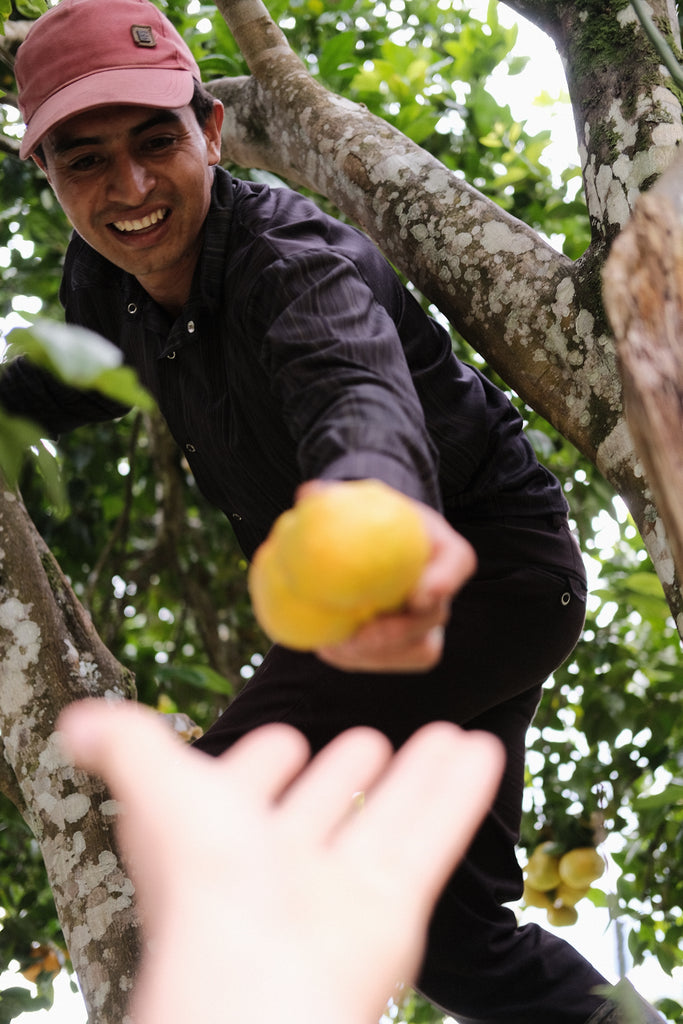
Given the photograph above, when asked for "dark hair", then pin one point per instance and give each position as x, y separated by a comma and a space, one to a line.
202, 104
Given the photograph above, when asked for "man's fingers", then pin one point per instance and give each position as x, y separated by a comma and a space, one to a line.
393, 643
452, 563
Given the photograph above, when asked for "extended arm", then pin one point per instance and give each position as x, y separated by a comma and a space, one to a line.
256, 869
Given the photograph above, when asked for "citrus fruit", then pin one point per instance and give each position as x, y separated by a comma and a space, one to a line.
302, 625
343, 554
561, 917
568, 896
542, 869
536, 898
581, 866
352, 543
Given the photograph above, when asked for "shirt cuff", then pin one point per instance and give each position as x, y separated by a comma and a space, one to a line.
375, 466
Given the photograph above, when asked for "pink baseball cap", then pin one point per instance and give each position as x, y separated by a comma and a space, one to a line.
82, 54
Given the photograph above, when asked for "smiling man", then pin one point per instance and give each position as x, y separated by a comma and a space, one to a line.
135, 182
282, 348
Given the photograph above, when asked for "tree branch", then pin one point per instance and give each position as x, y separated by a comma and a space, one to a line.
542, 13
51, 656
659, 42
9, 786
643, 284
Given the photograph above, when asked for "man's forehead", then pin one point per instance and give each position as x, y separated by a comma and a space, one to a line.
102, 123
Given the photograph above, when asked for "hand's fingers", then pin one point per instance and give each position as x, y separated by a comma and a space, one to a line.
391, 644
442, 783
123, 743
265, 762
452, 562
322, 797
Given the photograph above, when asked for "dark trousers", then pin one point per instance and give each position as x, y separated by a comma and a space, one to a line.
511, 626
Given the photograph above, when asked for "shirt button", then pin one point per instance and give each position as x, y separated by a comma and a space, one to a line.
132, 308
171, 355
237, 517
190, 327
189, 447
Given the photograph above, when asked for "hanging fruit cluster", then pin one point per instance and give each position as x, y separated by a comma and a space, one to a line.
555, 880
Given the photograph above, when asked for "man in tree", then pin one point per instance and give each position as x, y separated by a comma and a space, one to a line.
282, 349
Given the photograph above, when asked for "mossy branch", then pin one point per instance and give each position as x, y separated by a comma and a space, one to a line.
659, 42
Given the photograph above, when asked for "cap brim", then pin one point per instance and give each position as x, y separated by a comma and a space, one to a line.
141, 87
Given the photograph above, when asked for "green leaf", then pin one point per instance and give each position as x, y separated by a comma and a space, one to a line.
81, 358
31, 9
5, 11
219, 66
646, 583
200, 676
18, 437
672, 794
16, 1000
339, 49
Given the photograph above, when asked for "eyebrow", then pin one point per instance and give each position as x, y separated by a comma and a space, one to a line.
160, 118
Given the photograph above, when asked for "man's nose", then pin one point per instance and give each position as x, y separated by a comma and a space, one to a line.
130, 181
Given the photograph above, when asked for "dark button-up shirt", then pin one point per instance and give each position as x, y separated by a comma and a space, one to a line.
299, 355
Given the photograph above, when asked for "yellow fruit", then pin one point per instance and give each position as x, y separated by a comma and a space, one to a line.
562, 917
581, 866
542, 869
340, 556
288, 620
568, 896
43, 960
354, 543
536, 898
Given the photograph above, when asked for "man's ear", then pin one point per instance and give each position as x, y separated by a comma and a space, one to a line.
40, 162
212, 132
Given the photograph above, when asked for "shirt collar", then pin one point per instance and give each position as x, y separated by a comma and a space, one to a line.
209, 274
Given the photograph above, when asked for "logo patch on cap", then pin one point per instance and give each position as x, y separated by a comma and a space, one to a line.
143, 35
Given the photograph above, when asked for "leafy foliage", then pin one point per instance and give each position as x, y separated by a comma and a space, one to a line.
165, 582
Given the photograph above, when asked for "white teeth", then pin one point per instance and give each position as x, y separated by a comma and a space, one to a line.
140, 225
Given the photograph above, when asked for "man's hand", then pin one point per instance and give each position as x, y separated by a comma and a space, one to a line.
263, 892
412, 639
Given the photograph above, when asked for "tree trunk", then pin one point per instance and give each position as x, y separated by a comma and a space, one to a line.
52, 656
643, 287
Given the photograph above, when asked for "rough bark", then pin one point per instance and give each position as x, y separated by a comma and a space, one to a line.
537, 317
643, 287
50, 657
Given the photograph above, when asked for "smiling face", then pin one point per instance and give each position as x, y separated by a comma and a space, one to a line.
135, 182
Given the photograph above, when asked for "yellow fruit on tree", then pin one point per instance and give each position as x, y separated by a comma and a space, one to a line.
561, 917
568, 896
542, 869
581, 866
536, 898
340, 556
43, 960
